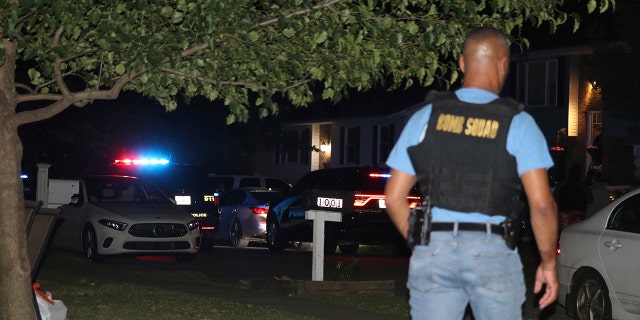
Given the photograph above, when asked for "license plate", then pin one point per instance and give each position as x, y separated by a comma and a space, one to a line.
183, 200
329, 202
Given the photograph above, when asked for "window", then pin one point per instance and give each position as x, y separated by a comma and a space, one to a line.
537, 83
627, 216
249, 183
350, 145
276, 184
295, 147
383, 139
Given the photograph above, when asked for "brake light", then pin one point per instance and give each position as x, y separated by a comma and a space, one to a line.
413, 201
259, 210
361, 200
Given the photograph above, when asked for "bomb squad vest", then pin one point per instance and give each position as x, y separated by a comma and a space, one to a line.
462, 163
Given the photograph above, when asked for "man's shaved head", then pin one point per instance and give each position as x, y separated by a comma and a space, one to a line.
486, 41
485, 59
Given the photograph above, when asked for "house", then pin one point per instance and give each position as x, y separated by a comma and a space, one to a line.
554, 84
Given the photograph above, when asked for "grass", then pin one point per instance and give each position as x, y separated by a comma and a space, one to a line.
102, 291
88, 300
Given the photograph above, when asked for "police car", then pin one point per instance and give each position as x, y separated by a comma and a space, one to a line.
186, 184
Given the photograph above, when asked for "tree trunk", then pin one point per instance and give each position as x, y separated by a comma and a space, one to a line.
16, 298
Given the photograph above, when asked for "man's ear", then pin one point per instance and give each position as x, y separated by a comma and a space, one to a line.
461, 63
503, 64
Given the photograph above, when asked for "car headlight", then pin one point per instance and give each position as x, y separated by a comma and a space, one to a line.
113, 224
193, 225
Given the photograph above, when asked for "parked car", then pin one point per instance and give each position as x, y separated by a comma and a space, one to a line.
223, 182
115, 215
243, 215
367, 223
184, 183
598, 263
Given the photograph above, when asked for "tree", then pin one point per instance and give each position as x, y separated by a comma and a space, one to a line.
249, 54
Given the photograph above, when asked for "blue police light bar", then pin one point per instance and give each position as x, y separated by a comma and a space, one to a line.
142, 161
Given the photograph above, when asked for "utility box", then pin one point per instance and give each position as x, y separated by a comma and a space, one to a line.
61, 191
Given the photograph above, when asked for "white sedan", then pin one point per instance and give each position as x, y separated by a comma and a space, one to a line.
115, 214
599, 263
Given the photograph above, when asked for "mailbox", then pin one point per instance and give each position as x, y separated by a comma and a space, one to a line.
329, 200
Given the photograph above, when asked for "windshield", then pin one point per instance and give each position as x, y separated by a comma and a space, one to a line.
119, 189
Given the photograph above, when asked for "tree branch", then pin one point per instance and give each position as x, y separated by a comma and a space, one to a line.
79, 98
297, 13
195, 49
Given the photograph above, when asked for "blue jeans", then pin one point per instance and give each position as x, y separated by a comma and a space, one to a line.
465, 267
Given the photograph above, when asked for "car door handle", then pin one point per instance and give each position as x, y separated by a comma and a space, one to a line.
613, 245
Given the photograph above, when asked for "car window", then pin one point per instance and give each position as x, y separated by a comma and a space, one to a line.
123, 190
627, 216
221, 184
250, 183
276, 184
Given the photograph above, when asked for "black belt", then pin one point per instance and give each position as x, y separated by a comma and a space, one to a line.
467, 226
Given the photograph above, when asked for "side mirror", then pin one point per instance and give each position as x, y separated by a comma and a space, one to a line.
75, 199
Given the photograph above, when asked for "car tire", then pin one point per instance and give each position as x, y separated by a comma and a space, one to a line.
349, 248
591, 297
186, 258
301, 245
275, 241
90, 244
235, 235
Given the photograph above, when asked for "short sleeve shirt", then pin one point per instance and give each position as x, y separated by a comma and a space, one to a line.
525, 142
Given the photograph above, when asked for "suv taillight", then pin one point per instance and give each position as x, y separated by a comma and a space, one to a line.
361, 200
413, 201
259, 210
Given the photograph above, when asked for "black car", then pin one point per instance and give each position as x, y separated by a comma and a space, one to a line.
368, 222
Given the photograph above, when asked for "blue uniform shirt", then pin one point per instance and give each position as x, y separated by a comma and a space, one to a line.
524, 141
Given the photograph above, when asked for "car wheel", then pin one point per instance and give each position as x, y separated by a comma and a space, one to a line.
301, 246
235, 235
275, 242
349, 248
186, 258
90, 244
591, 297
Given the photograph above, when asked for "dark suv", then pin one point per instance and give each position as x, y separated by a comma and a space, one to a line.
368, 222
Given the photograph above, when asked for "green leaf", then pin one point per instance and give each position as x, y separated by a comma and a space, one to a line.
120, 69
591, 5
288, 32
321, 37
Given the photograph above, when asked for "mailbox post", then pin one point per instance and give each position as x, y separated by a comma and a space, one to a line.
322, 206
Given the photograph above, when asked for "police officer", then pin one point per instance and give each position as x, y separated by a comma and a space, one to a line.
472, 152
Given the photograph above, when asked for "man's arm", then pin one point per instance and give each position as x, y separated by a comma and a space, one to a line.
396, 192
544, 221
